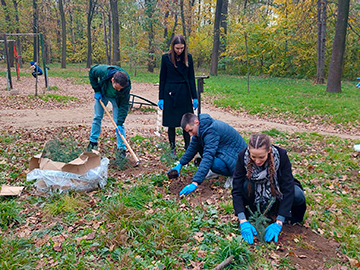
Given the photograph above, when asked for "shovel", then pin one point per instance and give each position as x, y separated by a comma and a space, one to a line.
121, 136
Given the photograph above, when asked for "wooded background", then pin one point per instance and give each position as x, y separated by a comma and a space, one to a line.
276, 37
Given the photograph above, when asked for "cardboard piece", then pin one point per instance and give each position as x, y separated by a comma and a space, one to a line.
80, 165
10, 190
85, 173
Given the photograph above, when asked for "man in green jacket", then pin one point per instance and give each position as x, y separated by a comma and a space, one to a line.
110, 83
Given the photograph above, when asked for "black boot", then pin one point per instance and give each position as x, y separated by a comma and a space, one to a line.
91, 146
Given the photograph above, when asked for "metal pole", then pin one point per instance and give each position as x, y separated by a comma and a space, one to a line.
7, 62
44, 62
200, 89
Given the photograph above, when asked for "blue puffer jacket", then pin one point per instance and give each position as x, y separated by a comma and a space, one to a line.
215, 139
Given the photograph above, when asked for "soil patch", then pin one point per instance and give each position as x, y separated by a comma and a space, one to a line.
209, 189
307, 249
27, 112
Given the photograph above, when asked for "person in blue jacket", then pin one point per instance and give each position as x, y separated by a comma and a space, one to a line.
36, 70
217, 143
110, 83
262, 172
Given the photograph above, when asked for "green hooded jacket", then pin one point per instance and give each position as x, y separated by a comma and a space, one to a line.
100, 76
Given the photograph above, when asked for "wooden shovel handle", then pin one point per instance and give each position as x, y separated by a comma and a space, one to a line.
121, 136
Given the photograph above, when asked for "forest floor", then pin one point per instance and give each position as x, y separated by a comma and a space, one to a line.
22, 111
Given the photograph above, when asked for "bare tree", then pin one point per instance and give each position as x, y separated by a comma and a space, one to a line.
63, 33
90, 15
216, 43
116, 31
337, 54
182, 14
35, 30
18, 45
321, 20
150, 6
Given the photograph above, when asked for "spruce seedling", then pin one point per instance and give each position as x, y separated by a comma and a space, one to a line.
259, 220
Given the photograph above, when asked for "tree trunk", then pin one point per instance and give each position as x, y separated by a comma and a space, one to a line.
35, 30
183, 18
72, 32
92, 5
321, 17
216, 43
109, 35
149, 11
108, 58
223, 25
18, 44
63, 34
337, 54
116, 40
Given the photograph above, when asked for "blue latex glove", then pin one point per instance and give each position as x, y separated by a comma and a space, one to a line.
188, 189
248, 231
98, 96
272, 231
161, 104
195, 103
177, 167
120, 129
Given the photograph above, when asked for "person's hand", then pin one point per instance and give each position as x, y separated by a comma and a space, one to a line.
98, 96
161, 104
177, 168
121, 130
248, 231
188, 189
272, 231
195, 103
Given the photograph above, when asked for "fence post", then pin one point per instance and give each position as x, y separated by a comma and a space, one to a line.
200, 89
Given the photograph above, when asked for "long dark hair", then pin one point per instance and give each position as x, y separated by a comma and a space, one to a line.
178, 39
258, 141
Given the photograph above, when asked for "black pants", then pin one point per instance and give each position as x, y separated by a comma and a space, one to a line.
172, 134
34, 74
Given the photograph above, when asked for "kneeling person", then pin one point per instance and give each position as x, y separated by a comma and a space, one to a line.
217, 143
264, 171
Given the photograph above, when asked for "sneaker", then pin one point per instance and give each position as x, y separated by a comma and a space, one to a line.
229, 182
211, 175
91, 146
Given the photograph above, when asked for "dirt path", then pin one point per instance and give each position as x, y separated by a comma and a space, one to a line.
14, 113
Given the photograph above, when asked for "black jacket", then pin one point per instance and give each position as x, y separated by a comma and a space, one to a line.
285, 178
177, 89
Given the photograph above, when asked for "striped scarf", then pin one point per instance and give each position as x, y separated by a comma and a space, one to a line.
260, 177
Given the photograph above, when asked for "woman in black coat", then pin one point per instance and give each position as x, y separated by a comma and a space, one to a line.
263, 171
177, 91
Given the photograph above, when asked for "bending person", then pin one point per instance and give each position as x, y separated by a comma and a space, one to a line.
218, 145
110, 83
264, 171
